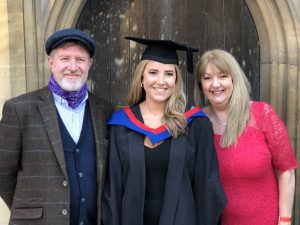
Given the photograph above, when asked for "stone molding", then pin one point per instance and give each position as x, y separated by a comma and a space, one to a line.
29, 24
278, 27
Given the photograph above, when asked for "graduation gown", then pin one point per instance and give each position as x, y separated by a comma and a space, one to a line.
193, 194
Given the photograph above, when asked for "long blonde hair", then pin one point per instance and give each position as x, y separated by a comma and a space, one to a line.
173, 117
239, 103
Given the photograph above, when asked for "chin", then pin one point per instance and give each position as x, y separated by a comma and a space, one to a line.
71, 86
161, 100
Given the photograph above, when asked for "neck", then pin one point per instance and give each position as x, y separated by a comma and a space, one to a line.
152, 114
219, 116
153, 108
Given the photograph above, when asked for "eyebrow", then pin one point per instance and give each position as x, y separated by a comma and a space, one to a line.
218, 73
173, 71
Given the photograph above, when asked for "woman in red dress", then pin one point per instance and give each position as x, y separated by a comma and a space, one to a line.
255, 156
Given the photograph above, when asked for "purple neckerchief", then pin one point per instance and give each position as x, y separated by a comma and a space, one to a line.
74, 98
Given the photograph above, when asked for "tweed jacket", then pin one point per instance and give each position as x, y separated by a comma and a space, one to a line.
33, 176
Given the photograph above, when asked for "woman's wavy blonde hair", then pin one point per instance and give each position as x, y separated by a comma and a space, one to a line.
173, 117
239, 103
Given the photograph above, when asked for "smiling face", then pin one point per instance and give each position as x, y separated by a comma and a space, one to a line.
217, 87
159, 81
70, 65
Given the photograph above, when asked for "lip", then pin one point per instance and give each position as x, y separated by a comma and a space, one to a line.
71, 75
160, 88
217, 92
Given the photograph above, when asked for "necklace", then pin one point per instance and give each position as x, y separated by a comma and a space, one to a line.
215, 119
220, 123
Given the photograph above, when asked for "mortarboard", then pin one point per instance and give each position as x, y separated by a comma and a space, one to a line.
165, 51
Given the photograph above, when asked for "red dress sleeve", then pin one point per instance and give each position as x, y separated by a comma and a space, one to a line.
277, 139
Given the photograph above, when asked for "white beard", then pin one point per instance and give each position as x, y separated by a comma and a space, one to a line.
75, 85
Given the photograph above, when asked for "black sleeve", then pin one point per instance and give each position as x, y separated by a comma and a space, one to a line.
209, 195
113, 187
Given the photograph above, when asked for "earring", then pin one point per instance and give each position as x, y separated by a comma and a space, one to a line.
142, 85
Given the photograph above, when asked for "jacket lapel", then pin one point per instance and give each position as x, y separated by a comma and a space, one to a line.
49, 116
173, 182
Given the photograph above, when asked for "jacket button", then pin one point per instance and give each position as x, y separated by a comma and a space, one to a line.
65, 183
64, 212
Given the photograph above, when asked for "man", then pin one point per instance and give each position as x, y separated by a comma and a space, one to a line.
53, 141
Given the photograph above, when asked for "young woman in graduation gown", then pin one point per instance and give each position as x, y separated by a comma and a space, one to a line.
162, 165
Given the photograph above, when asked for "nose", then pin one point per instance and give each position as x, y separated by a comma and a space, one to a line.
72, 65
161, 79
215, 82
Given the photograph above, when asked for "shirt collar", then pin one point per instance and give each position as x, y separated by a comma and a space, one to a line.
63, 102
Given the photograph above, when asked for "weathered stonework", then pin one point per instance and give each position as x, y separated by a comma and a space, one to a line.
4, 56
5, 87
25, 25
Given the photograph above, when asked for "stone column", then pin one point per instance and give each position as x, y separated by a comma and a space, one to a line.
5, 84
4, 56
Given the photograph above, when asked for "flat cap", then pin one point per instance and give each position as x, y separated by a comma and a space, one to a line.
70, 34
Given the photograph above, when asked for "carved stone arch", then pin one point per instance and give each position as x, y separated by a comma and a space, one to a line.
40, 19
63, 14
279, 50
278, 31
277, 23
278, 27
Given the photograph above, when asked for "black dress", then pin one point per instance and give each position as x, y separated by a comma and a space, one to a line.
156, 162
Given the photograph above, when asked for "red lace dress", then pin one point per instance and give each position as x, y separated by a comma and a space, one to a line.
247, 170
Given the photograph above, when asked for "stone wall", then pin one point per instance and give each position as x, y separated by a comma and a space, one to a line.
4, 56
25, 25
5, 86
